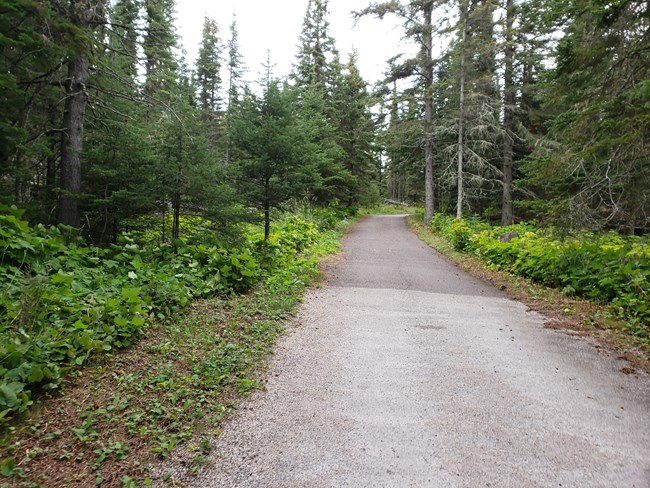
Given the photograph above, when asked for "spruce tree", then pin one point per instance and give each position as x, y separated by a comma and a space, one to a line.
208, 68
355, 133
317, 48
593, 170
158, 46
274, 150
417, 19
317, 73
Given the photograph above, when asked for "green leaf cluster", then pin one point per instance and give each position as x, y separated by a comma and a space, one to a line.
607, 268
61, 301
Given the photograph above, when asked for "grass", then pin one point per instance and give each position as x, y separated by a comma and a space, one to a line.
121, 415
579, 316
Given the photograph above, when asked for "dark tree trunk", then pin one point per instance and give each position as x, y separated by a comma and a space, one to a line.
176, 223
507, 217
72, 140
267, 221
461, 112
427, 69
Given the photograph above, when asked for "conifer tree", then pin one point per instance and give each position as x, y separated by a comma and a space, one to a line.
355, 133
594, 171
274, 149
236, 70
417, 18
208, 68
158, 46
317, 73
30, 119
236, 66
317, 48
85, 16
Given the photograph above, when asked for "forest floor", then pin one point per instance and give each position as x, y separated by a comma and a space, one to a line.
403, 370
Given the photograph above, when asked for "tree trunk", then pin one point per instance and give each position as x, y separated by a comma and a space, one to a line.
507, 217
461, 109
177, 196
267, 221
427, 69
72, 140
176, 222
50, 182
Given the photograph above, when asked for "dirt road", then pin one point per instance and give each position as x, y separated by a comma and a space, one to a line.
407, 372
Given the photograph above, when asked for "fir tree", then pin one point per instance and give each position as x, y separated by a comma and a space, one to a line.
208, 67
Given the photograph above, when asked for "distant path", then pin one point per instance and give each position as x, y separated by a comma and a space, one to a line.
407, 372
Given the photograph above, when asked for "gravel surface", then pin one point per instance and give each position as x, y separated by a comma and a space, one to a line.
407, 372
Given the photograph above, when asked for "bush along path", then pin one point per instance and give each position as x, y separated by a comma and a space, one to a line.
609, 270
195, 338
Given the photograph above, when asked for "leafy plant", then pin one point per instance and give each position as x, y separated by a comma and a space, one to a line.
604, 267
62, 302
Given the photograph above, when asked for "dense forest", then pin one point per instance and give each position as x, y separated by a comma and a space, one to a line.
534, 109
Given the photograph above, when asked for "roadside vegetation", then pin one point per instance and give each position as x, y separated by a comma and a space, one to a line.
606, 276
79, 407
150, 241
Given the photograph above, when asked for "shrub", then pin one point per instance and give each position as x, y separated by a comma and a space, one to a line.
609, 268
61, 302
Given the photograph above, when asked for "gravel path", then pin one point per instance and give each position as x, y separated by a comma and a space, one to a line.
407, 372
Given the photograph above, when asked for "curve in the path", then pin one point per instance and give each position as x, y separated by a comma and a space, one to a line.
406, 372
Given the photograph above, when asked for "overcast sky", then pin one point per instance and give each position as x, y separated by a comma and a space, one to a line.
276, 25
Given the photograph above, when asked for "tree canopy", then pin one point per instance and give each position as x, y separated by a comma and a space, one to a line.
530, 110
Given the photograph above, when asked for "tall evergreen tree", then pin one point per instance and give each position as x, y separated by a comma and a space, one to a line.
30, 119
85, 16
355, 133
317, 48
597, 176
118, 155
317, 73
509, 88
236, 66
274, 148
417, 18
236, 70
208, 68
158, 46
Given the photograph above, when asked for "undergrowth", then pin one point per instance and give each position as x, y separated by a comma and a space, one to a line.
609, 269
179, 379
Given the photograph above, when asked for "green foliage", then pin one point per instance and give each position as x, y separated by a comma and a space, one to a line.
594, 173
275, 151
62, 302
458, 231
604, 267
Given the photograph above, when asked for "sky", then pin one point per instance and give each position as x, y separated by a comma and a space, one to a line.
275, 26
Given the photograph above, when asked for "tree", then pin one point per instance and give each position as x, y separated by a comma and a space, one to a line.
417, 17
355, 133
592, 170
462, 77
507, 216
402, 141
158, 46
30, 119
317, 48
317, 76
236, 69
274, 149
208, 68
84, 15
